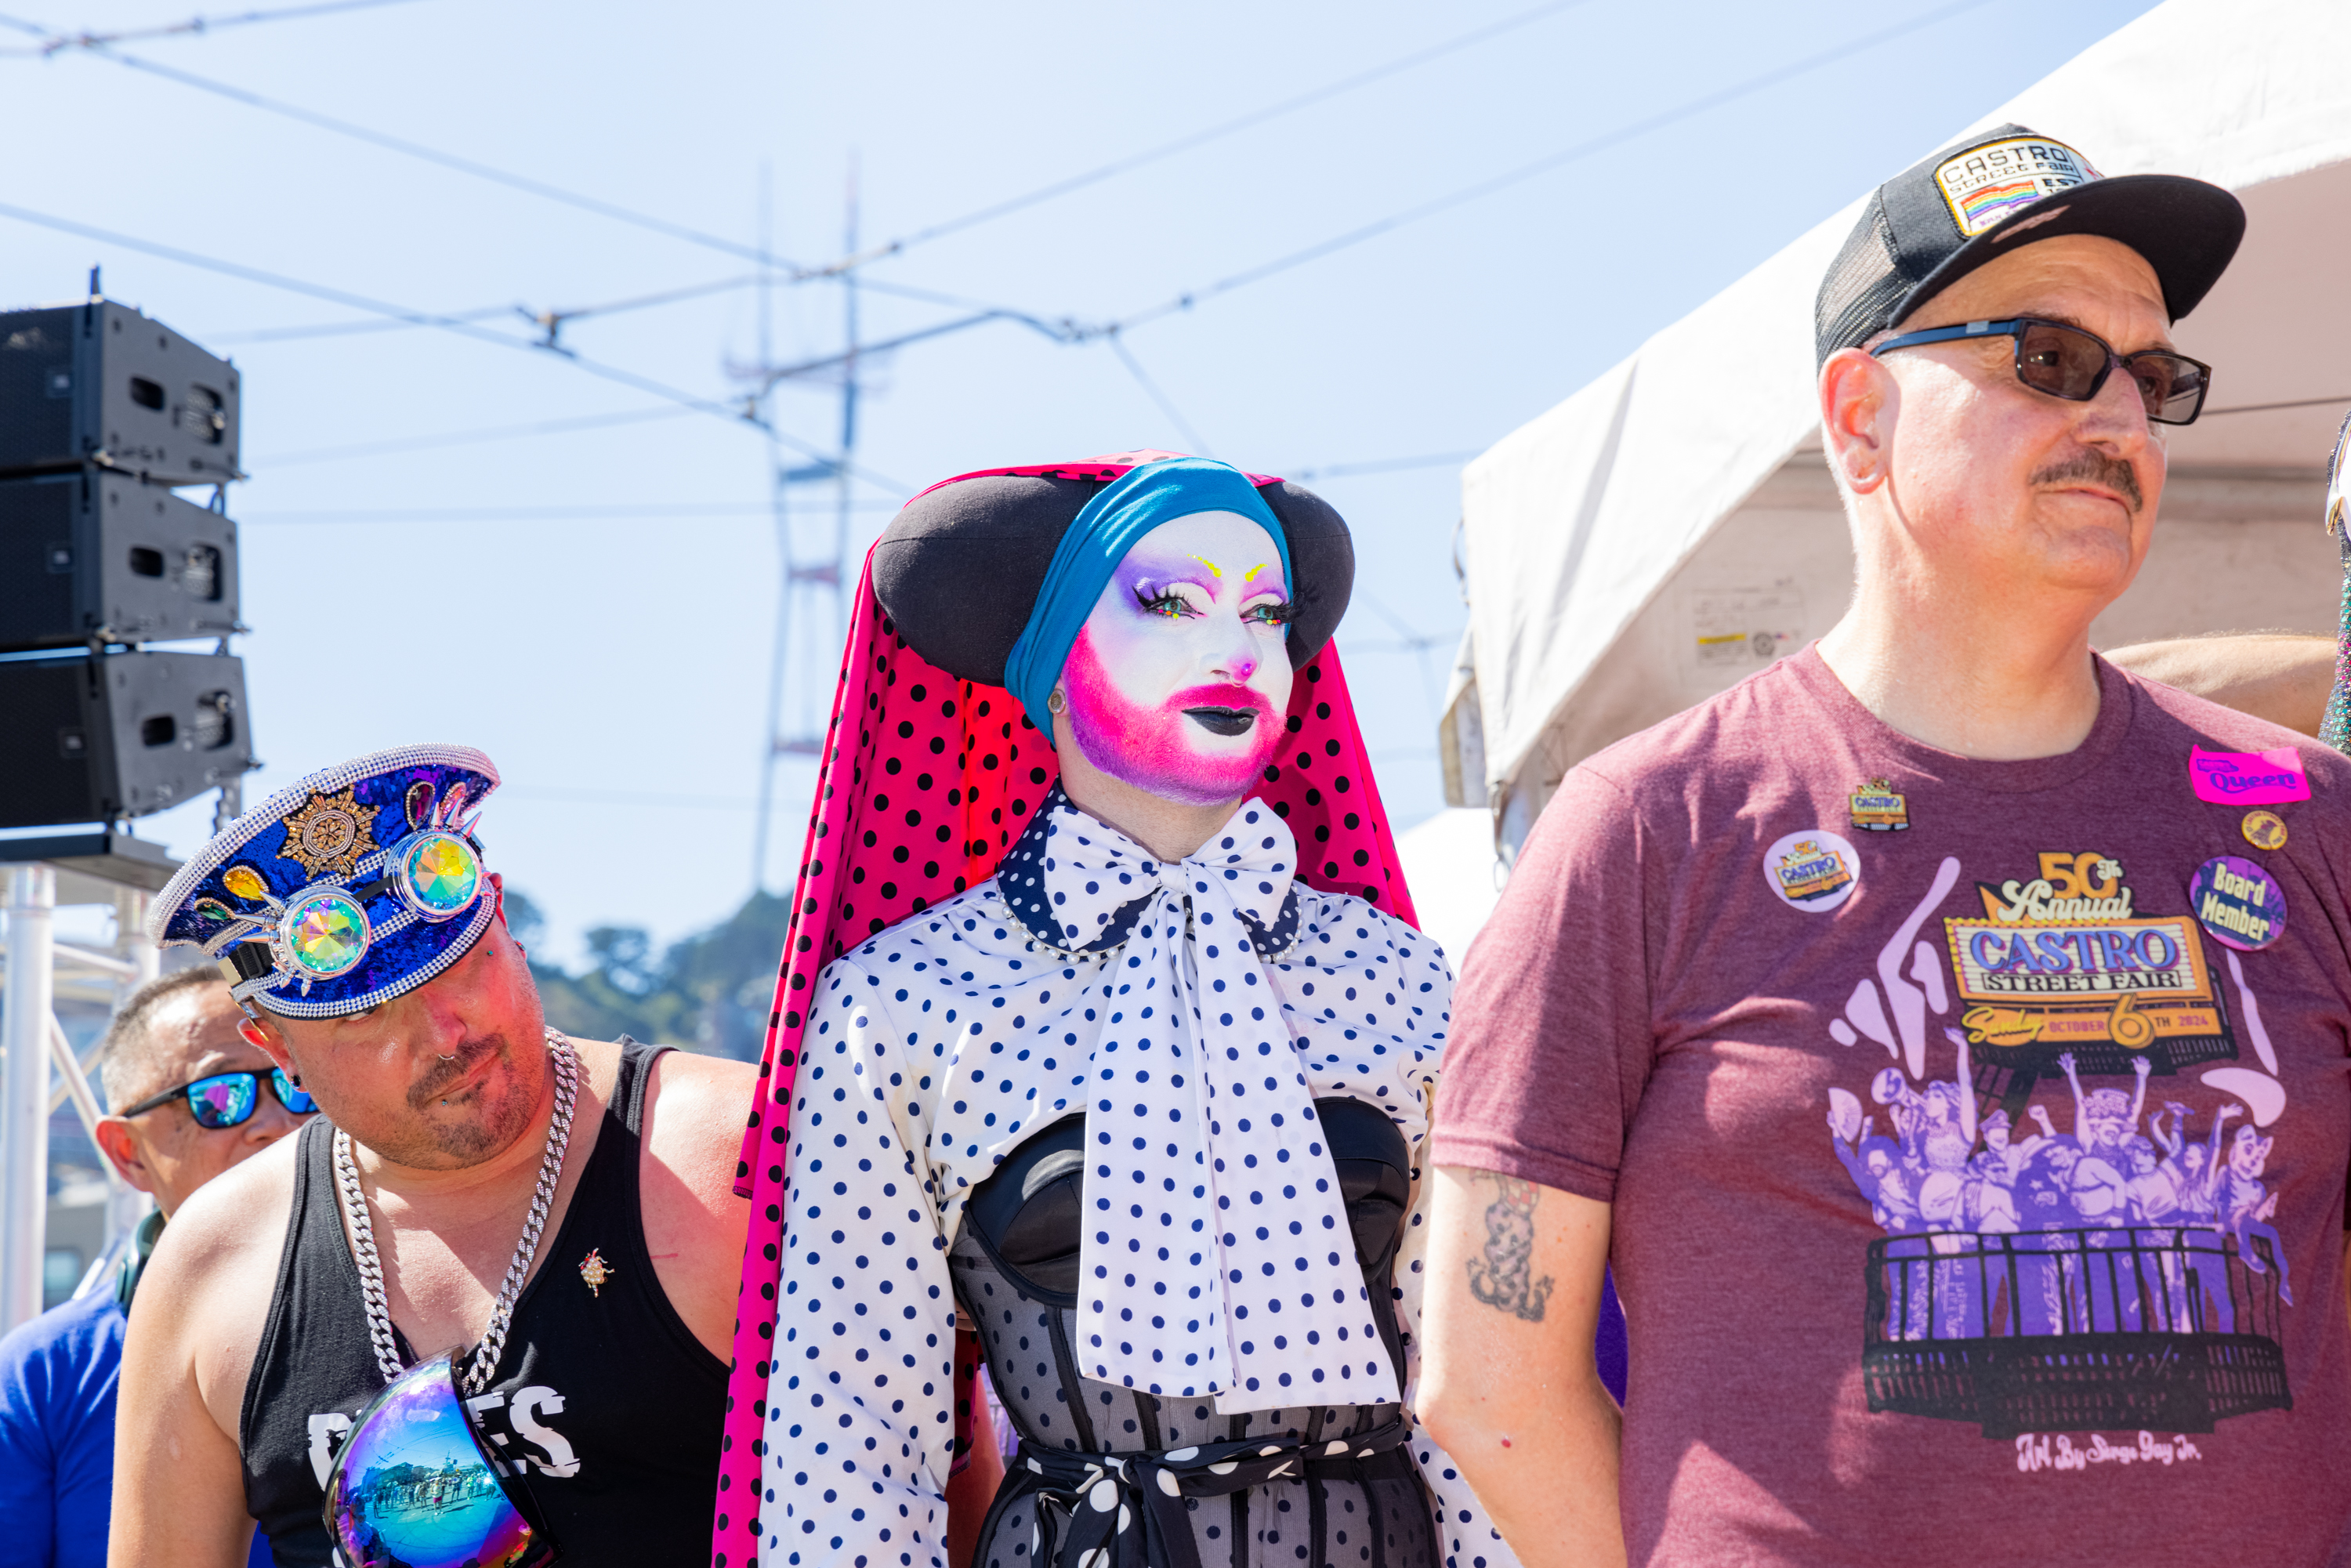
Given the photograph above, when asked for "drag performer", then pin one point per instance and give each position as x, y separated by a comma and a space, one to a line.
1114, 1044
558, 1210
2335, 729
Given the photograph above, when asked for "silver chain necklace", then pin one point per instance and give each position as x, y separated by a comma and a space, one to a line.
486, 1356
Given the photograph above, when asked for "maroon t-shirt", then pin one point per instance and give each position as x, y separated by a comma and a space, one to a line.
2081, 1301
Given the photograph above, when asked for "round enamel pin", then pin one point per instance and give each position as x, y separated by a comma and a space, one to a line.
2265, 829
1811, 870
2241, 905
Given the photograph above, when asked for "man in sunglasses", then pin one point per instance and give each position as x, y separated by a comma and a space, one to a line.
192, 1098
1945, 848
557, 1214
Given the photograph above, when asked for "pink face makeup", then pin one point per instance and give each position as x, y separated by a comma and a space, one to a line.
1179, 681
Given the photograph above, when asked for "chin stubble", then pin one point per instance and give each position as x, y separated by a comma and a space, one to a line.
495, 1123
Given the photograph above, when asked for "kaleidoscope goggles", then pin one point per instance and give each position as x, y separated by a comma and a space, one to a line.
229, 1099
2067, 362
415, 1486
324, 930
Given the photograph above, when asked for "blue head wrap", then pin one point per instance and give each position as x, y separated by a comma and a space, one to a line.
1129, 508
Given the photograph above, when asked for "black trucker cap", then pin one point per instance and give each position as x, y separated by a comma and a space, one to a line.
1939, 220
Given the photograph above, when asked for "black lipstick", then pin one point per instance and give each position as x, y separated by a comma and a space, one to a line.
1223, 720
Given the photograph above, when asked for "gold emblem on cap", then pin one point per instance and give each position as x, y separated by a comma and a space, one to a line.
330, 835
2265, 829
595, 1270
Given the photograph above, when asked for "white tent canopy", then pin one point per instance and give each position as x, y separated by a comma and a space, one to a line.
1650, 542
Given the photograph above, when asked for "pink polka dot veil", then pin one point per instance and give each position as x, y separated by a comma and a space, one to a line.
925, 781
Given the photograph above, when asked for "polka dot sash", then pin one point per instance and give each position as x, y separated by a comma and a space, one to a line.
1216, 1257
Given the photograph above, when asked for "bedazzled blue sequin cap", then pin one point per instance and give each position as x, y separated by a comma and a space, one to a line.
348, 889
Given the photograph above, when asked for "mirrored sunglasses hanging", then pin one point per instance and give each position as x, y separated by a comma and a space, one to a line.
414, 1484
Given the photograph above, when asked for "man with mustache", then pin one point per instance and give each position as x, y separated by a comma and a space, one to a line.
460, 1143
1718, 919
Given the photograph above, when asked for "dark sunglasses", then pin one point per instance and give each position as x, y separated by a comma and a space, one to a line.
414, 1484
2067, 362
230, 1099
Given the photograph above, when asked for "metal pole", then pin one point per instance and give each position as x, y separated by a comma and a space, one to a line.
130, 936
848, 421
772, 726
77, 1080
25, 1092
126, 1205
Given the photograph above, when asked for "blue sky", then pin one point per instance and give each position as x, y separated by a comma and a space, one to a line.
595, 607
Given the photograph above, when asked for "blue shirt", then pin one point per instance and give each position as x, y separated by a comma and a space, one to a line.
58, 1377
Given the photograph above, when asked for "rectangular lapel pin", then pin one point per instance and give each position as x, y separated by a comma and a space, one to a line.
2248, 778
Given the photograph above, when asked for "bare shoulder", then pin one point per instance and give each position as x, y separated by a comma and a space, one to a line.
204, 1299
695, 1110
694, 1223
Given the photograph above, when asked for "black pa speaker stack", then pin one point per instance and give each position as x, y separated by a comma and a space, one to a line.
104, 414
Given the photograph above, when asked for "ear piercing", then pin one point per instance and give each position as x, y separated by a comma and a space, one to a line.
1055, 703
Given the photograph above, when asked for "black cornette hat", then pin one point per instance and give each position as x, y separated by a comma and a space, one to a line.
1939, 220
959, 568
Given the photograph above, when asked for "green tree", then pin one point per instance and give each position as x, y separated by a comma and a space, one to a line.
709, 992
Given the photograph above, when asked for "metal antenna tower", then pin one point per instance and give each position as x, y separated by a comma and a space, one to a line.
812, 601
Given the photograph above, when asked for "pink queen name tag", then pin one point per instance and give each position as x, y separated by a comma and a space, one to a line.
2248, 778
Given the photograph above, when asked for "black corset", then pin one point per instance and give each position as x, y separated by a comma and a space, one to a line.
1015, 1268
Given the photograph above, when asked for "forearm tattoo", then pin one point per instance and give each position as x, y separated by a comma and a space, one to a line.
1503, 1277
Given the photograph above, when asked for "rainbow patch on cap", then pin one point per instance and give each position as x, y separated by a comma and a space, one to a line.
1980, 209
1984, 185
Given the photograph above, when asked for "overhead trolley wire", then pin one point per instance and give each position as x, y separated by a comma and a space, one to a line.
462, 166
1070, 331
348, 329
1525, 171
53, 43
1382, 465
448, 324
768, 376
1067, 329
470, 438
1063, 330
1134, 367
556, 512
790, 271
793, 272
1093, 177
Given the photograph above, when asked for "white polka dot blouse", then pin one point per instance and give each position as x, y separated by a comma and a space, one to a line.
1194, 1010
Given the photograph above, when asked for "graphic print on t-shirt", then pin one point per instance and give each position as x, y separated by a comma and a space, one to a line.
2062, 962
515, 1424
2062, 1254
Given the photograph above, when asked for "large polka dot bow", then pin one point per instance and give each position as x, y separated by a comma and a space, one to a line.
1216, 1257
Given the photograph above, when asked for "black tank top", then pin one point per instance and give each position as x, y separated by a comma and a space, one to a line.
606, 1395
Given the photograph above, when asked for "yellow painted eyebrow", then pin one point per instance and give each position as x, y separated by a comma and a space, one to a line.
1214, 569
1251, 576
